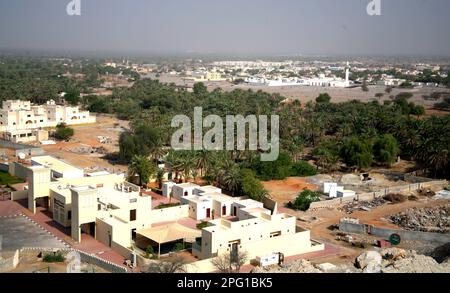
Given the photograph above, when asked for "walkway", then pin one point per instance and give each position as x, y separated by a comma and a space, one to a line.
43, 218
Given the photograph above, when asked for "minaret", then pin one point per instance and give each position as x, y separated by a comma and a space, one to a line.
347, 74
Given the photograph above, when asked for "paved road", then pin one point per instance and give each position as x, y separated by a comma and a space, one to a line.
19, 232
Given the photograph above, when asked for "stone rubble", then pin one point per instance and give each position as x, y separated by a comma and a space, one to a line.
390, 260
362, 205
435, 219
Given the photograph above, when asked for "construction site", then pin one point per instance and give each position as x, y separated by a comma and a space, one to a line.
396, 222
90, 148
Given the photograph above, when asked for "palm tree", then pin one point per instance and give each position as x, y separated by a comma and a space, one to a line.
160, 177
174, 162
187, 164
203, 161
232, 180
142, 167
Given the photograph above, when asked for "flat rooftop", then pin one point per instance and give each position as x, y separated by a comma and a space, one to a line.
218, 196
54, 164
188, 185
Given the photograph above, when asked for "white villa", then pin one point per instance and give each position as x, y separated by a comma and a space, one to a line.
22, 122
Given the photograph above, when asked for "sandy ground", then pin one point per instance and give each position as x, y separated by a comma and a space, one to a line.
287, 190
86, 136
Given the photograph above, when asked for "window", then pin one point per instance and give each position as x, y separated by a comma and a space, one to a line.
69, 215
99, 207
186, 193
133, 215
275, 234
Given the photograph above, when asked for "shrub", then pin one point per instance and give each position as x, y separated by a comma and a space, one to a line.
304, 200
251, 186
303, 169
179, 247
395, 198
165, 206
202, 225
53, 257
63, 132
323, 98
149, 252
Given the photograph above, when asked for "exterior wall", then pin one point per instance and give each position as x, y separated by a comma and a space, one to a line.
61, 209
18, 170
84, 210
18, 195
10, 263
383, 232
247, 233
289, 245
169, 214
38, 186
218, 208
198, 210
20, 115
167, 188
104, 232
179, 191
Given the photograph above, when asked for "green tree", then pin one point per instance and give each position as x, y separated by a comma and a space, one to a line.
323, 98
160, 177
73, 97
63, 132
232, 180
327, 155
142, 167
385, 149
304, 200
274, 170
303, 169
200, 90
251, 186
357, 153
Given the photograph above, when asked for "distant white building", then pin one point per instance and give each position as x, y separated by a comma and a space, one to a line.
320, 81
22, 122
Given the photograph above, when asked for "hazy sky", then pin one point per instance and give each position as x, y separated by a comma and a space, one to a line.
330, 27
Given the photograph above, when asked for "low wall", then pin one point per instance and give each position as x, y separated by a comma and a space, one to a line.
201, 266
331, 203
169, 214
383, 232
18, 170
377, 194
18, 195
4, 167
9, 264
123, 251
21, 148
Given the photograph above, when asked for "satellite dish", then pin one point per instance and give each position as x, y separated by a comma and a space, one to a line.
22, 156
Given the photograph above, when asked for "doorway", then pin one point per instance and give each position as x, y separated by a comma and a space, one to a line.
88, 229
208, 213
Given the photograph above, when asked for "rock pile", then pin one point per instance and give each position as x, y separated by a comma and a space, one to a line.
424, 219
390, 260
362, 205
304, 266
